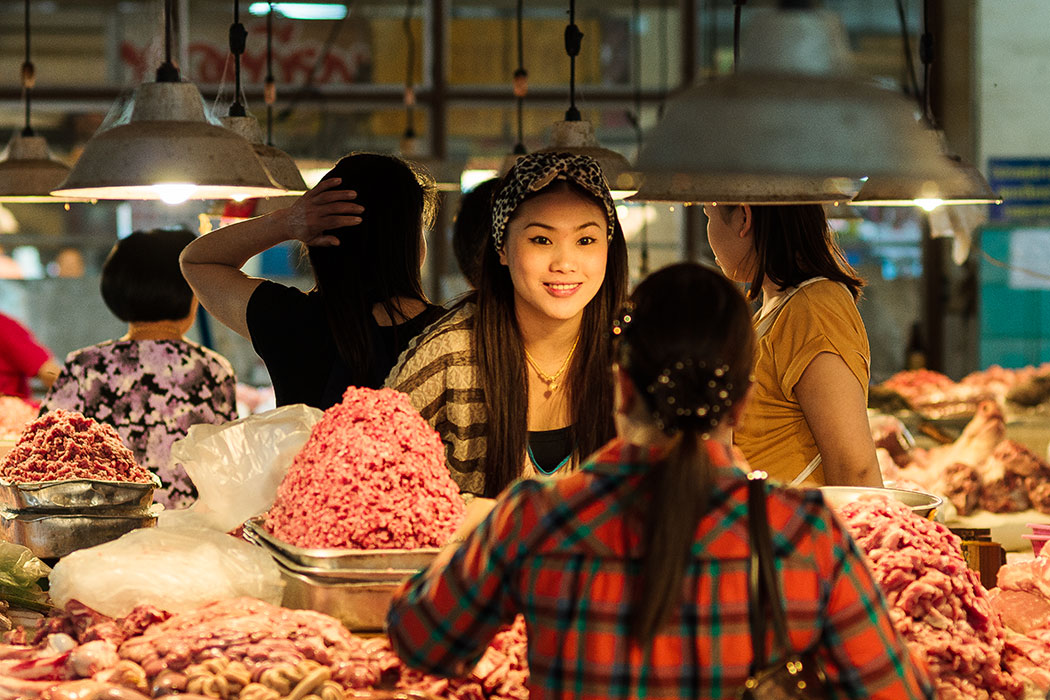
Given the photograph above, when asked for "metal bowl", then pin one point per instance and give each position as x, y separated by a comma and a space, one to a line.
78, 494
920, 502
51, 536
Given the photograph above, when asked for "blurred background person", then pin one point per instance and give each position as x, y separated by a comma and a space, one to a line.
22, 358
152, 384
470, 230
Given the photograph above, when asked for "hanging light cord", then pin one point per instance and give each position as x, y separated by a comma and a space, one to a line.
410, 64
28, 78
926, 56
636, 117
906, 43
238, 39
270, 86
665, 59
738, 6
167, 72
573, 41
307, 87
521, 82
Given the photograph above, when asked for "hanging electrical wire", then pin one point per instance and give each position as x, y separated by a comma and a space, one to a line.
408, 145
738, 6
238, 39
573, 43
28, 77
909, 64
270, 86
521, 81
636, 120
322, 56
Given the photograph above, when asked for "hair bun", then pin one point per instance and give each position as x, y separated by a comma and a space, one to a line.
690, 394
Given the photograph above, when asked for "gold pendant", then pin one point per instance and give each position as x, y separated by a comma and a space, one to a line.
552, 387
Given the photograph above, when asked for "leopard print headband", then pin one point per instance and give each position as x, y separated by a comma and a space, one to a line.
537, 170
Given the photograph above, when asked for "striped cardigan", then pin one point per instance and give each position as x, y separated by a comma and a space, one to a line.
439, 372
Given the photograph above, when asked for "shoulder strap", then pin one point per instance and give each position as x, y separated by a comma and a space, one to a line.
763, 581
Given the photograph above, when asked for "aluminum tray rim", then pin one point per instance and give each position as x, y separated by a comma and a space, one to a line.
332, 559
343, 575
154, 482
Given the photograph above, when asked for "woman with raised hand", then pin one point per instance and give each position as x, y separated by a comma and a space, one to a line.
362, 228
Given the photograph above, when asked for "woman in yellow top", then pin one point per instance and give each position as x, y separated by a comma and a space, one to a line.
807, 422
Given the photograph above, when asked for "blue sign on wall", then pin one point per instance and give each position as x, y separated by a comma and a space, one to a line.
1024, 185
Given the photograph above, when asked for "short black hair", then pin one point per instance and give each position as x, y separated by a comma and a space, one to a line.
471, 231
141, 279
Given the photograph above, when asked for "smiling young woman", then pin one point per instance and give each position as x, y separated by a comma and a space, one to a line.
516, 378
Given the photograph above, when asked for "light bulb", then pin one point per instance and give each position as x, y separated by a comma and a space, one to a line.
239, 197
929, 204
174, 192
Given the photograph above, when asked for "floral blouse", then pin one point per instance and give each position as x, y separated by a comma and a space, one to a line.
151, 391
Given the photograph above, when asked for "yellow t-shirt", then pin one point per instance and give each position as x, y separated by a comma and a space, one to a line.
773, 435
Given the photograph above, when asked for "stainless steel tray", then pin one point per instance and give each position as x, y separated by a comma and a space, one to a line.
344, 575
50, 536
361, 606
920, 502
345, 559
77, 493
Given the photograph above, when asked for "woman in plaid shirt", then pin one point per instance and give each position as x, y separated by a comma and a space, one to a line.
632, 573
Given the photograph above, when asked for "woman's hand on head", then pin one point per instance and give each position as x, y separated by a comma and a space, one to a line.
320, 210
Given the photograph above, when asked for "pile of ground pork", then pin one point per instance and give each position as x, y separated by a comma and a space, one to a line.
371, 476
67, 445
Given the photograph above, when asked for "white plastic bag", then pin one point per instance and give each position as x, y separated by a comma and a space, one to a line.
174, 569
237, 466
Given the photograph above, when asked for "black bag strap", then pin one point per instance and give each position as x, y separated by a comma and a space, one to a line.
763, 581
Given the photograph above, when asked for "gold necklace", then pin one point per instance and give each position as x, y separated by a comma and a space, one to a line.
551, 379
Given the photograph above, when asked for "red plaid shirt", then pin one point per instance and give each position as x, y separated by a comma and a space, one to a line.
562, 554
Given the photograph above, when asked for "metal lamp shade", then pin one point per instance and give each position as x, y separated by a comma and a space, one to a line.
959, 183
738, 189
168, 142
792, 111
578, 137
29, 173
278, 164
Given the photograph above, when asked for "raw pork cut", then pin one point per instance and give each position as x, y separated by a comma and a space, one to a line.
936, 602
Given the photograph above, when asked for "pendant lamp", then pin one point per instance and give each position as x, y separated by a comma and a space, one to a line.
168, 149
280, 166
28, 172
956, 182
791, 125
576, 135
521, 89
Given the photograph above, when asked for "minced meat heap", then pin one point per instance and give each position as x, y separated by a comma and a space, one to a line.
67, 445
371, 476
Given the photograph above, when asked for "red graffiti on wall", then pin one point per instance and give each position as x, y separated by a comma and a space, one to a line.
212, 64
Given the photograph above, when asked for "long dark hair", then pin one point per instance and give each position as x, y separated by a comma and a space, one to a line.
793, 243
501, 361
379, 259
689, 350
